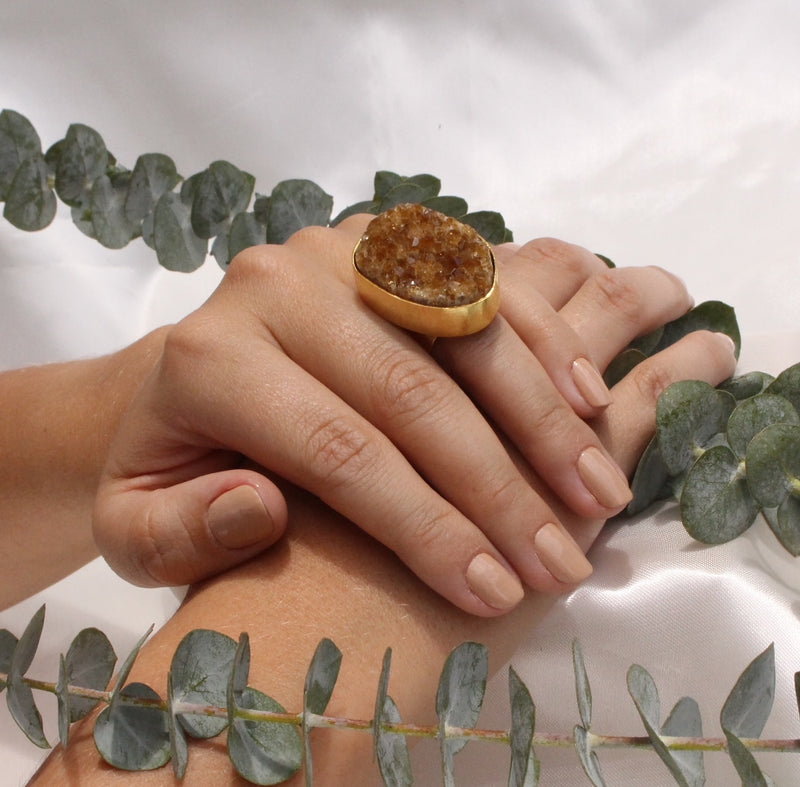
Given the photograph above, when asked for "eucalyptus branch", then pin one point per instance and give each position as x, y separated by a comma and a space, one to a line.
209, 695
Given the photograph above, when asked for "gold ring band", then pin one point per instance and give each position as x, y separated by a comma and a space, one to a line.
426, 272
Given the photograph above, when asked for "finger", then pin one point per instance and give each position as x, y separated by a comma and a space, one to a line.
500, 371
183, 533
614, 307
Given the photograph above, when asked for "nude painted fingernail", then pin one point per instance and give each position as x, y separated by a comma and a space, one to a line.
493, 584
603, 479
590, 383
560, 555
238, 518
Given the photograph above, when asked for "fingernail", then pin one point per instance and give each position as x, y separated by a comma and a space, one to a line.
603, 479
238, 518
493, 584
560, 555
590, 383
728, 341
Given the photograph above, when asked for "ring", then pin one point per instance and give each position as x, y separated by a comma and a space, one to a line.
426, 272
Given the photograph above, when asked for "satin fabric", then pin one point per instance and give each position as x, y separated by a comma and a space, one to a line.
653, 133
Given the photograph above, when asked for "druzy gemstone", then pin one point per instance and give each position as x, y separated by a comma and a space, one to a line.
423, 256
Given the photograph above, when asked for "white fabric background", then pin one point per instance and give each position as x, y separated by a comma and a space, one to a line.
654, 133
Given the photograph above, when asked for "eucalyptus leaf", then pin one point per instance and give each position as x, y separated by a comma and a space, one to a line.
784, 521
716, 504
178, 745
583, 690
402, 193
383, 181
237, 683
133, 737
649, 342
609, 263
589, 760
63, 701
744, 762
8, 644
462, 686
177, 247
110, 223
83, 158
30, 202
19, 696
756, 413
450, 206
19, 142
713, 316
685, 721
365, 206
127, 665
153, 174
222, 191
688, 415
620, 366
749, 704
524, 770
200, 670
89, 663
489, 224
773, 464
644, 693
295, 204
392, 750
245, 231
650, 480
746, 385
787, 385
264, 752
82, 219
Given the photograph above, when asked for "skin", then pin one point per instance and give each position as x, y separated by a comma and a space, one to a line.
328, 579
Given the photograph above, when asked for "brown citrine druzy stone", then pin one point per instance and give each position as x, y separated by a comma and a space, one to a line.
423, 256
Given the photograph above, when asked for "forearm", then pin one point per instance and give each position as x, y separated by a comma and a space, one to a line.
55, 427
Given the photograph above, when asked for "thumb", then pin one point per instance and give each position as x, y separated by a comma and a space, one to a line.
187, 532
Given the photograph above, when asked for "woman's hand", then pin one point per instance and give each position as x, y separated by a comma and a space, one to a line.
284, 365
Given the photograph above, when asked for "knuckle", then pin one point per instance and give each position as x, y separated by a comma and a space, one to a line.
429, 531
620, 294
571, 260
407, 388
651, 380
311, 237
262, 264
506, 495
340, 451
552, 417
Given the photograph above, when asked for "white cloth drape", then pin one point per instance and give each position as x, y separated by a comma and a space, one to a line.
655, 133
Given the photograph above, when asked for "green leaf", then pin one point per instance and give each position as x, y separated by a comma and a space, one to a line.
588, 757
390, 749
784, 521
83, 158
245, 231
716, 504
240, 670
367, 206
200, 670
688, 415
450, 206
462, 686
19, 695
295, 204
620, 366
384, 181
684, 721
110, 223
649, 342
787, 385
127, 665
132, 737
31, 204
489, 224
18, 143
707, 316
650, 480
8, 643
177, 247
153, 175
773, 464
746, 385
178, 745
264, 752
524, 771
222, 191
644, 693
756, 413
63, 702
607, 260
89, 663
749, 704
583, 690
744, 762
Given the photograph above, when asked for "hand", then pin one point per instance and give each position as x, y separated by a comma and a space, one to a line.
285, 366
